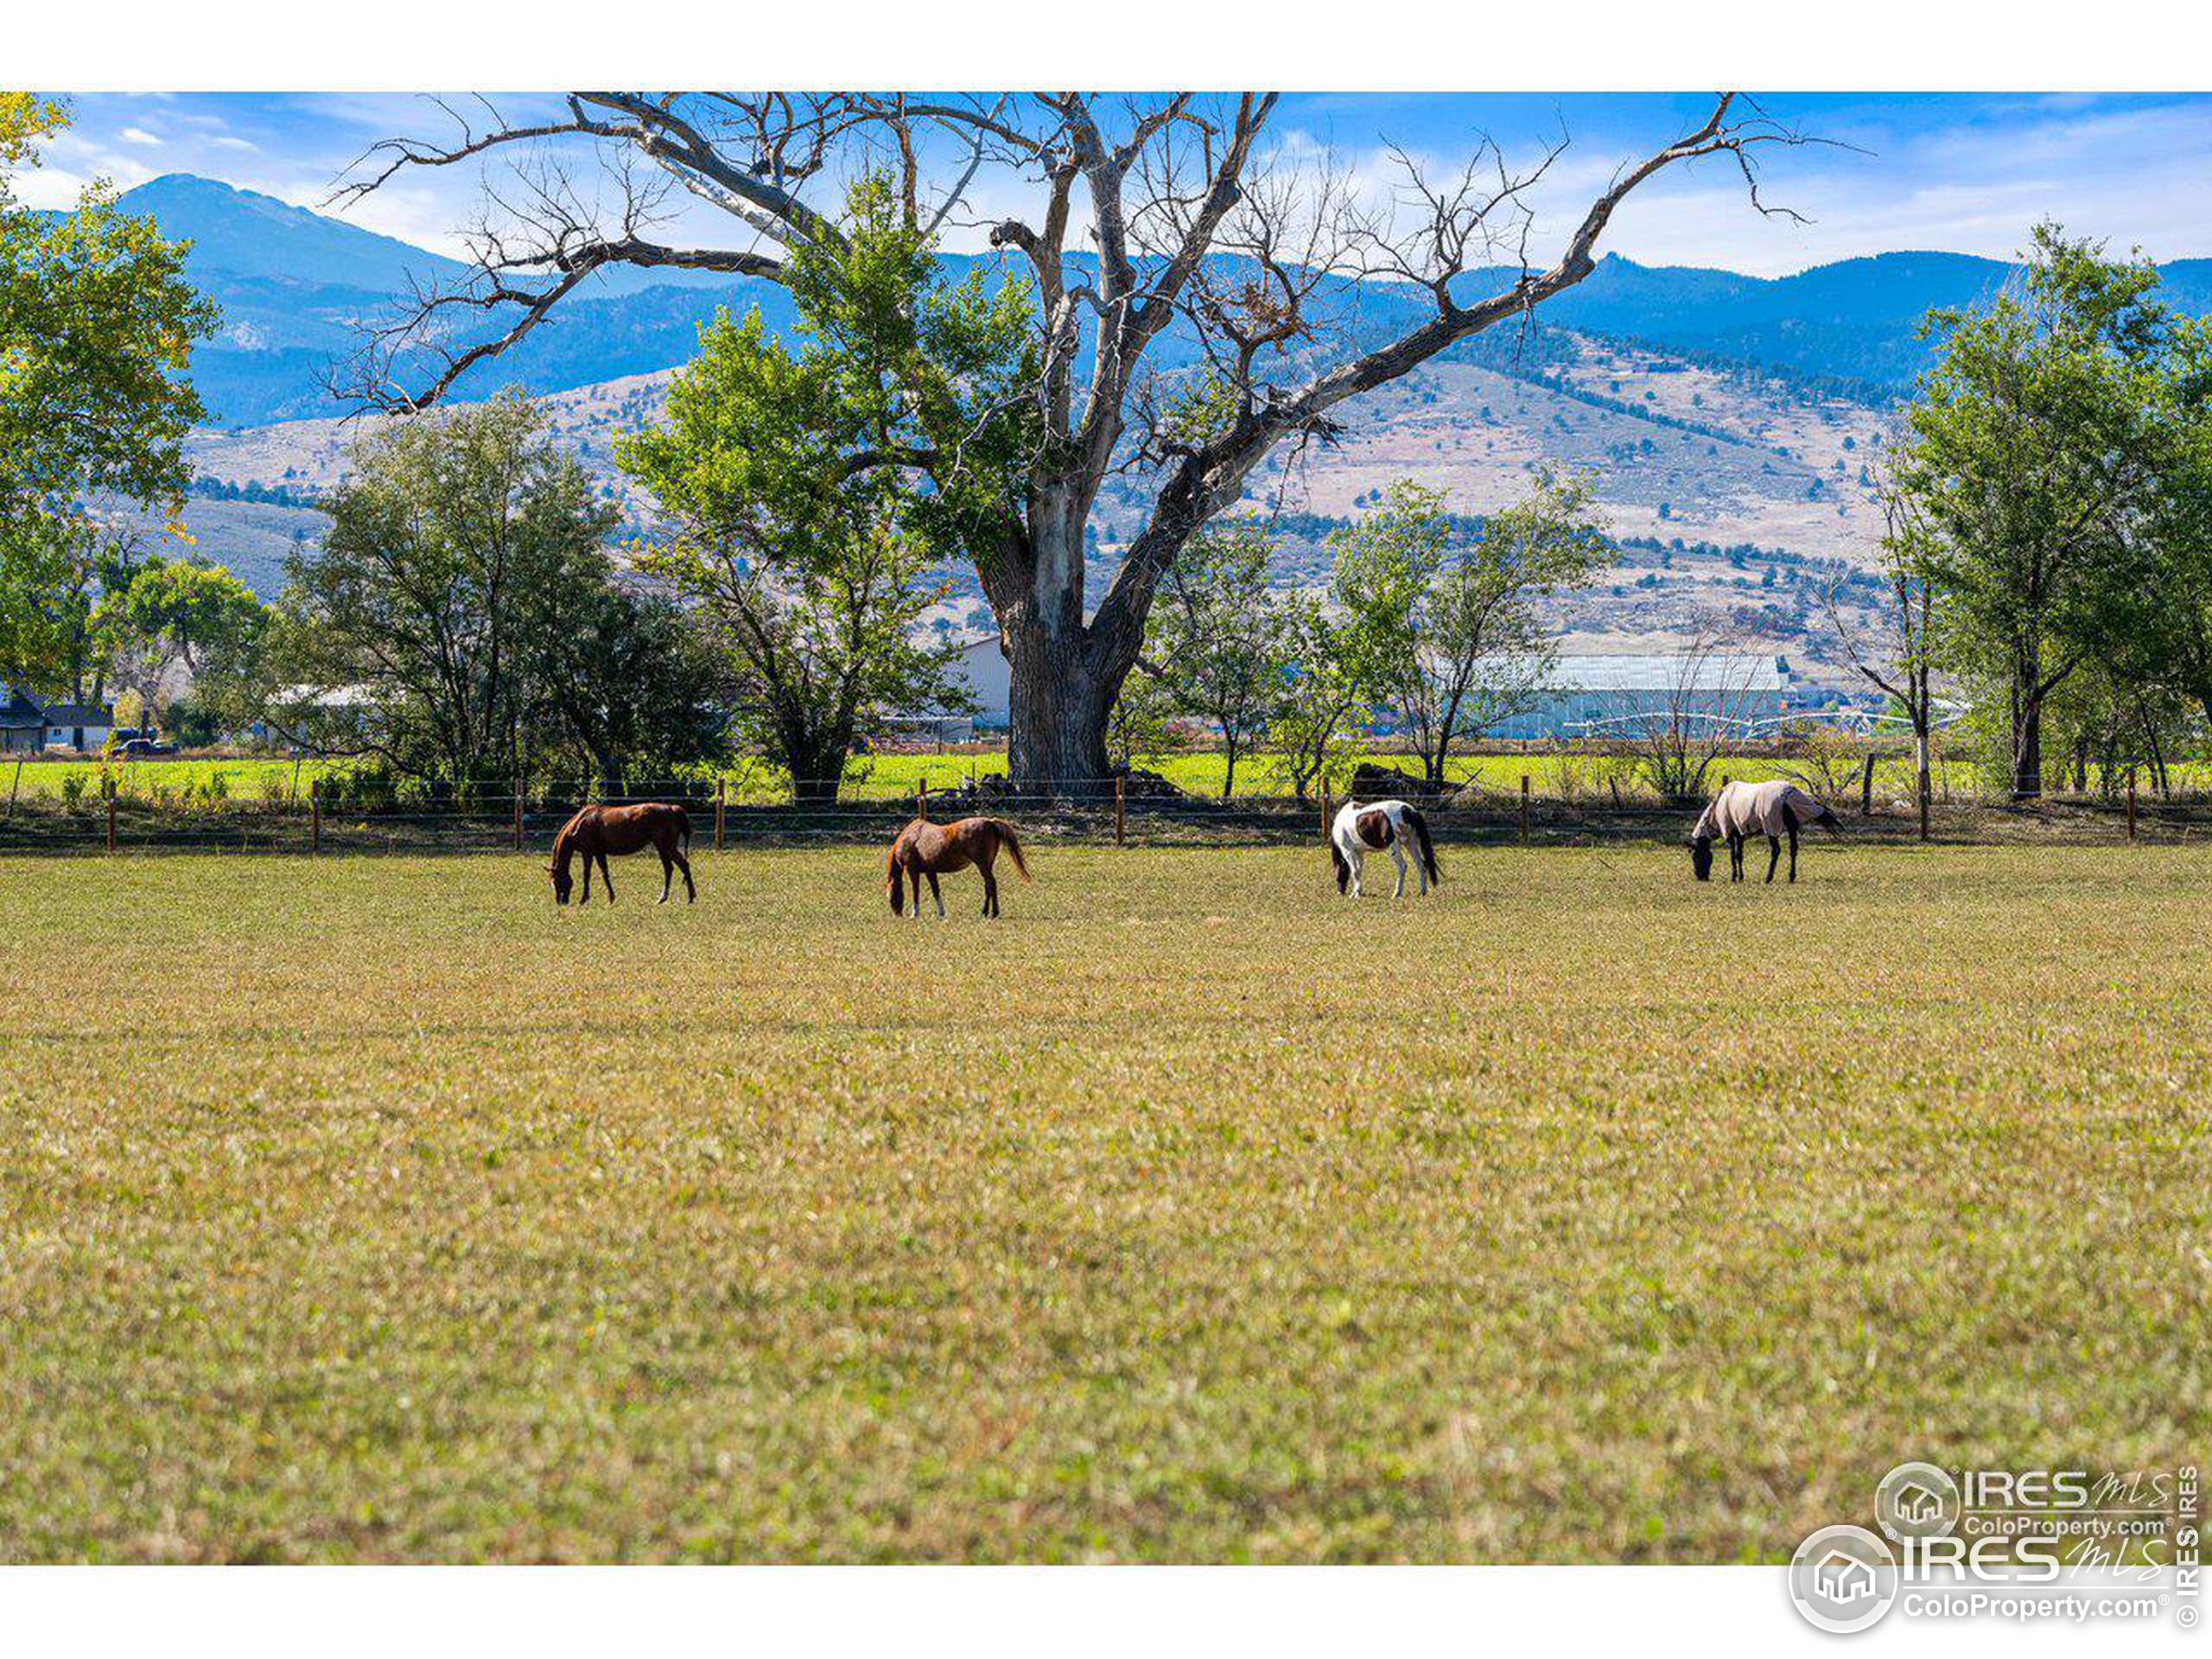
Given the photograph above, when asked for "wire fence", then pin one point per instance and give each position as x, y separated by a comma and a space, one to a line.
1141, 811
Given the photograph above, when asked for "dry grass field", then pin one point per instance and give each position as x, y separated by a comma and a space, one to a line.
375, 1208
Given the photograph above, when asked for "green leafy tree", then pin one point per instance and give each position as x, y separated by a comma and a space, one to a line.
455, 543
1143, 725
809, 556
1311, 736
1446, 629
2172, 637
181, 619
1220, 639
2032, 464
97, 324
625, 685
52, 572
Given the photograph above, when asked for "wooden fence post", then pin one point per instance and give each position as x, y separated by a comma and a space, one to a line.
1120, 812
110, 815
2131, 803
721, 802
1867, 789
1324, 809
518, 815
922, 798
314, 816
14, 786
1524, 809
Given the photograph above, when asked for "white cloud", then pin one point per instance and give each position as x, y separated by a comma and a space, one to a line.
138, 136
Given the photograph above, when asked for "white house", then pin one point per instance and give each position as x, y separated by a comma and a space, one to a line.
28, 725
83, 727
981, 667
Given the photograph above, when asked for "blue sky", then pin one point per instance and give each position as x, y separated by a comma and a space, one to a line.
1967, 173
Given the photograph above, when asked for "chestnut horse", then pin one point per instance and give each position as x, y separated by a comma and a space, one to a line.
595, 831
933, 849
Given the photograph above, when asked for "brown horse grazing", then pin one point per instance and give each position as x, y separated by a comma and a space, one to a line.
595, 831
933, 849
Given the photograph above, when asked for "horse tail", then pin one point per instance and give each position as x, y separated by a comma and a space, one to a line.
898, 888
1012, 845
684, 827
1427, 848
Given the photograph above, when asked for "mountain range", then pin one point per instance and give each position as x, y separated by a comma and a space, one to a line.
1730, 423
296, 288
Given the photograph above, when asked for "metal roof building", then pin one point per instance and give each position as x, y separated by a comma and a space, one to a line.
1586, 692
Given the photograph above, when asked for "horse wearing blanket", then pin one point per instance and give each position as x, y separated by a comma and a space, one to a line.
1382, 827
1773, 809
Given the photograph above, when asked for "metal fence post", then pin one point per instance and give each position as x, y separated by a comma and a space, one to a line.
1121, 814
1524, 809
721, 801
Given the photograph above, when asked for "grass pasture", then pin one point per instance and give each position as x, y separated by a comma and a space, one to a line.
375, 1208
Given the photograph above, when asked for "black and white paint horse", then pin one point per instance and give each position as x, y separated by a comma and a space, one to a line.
1382, 827
1774, 809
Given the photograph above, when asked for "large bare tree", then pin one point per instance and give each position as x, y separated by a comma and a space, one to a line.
1142, 217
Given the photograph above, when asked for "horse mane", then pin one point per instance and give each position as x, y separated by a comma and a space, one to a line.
564, 844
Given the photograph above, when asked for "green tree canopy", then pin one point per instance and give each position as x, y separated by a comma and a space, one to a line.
464, 598
1444, 628
1222, 637
808, 551
97, 324
2032, 466
180, 615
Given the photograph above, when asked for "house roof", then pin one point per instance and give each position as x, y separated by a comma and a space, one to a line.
78, 714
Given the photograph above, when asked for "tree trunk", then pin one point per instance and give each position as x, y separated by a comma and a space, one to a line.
2027, 748
1922, 785
1061, 694
817, 771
